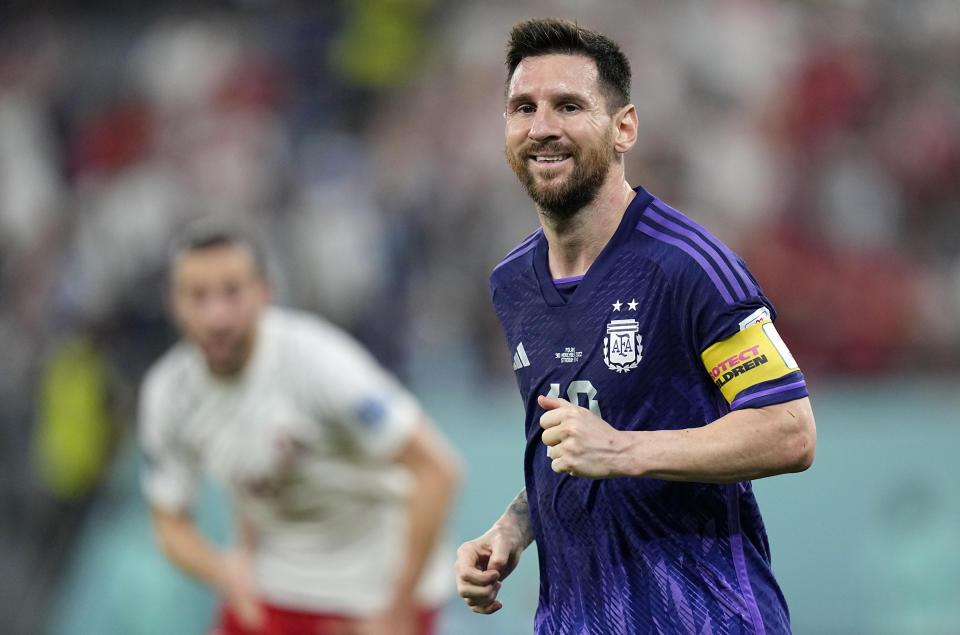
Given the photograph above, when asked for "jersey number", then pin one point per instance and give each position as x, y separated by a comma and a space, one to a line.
577, 388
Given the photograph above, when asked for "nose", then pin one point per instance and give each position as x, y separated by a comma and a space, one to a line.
218, 313
544, 125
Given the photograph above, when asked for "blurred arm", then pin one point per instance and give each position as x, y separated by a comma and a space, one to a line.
228, 573
186, 547
436, 474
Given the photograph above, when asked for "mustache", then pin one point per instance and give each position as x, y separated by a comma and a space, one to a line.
547, 148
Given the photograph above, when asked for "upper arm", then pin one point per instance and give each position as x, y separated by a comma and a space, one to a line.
730, 326
753, 367
787, 428
798, 431
170, 474
164, 516
350, 390
426, 450
169, 524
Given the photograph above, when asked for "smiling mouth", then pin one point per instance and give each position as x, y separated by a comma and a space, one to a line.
549, 159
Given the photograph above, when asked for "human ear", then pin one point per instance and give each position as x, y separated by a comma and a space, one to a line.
625, 133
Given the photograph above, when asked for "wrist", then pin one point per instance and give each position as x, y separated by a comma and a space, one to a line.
629, 461
232, 578
223, 579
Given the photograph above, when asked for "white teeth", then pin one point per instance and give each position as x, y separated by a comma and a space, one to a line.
539, 158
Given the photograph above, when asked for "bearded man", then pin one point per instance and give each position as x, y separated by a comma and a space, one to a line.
655, 384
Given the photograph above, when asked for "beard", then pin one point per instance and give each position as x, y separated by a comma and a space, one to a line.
561, 201
226, 354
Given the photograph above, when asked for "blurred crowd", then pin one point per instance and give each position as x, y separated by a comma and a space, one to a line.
362, 140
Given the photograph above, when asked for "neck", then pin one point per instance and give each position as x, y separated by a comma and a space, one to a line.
576, 242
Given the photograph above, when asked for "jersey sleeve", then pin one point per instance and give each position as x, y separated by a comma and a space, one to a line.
170, 476
366, 402
733, 331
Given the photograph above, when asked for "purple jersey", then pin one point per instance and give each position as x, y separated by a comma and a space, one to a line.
644, 340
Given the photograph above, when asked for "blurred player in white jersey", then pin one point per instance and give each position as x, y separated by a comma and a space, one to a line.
340, 484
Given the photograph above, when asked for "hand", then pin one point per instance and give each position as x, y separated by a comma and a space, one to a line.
579, 442
483, 563
240, 593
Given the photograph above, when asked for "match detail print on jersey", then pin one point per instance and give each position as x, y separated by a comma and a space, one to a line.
751, 356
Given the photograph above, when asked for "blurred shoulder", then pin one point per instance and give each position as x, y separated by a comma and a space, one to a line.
305, 338
301, 327
181, 365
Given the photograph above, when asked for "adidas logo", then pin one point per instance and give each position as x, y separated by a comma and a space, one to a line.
520, 359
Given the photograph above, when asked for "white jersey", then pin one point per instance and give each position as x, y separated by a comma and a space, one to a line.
304, 440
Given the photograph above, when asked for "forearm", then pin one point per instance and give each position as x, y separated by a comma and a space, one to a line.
247, 536
428, 511
186, 547
742, 445
435, 477
516, 518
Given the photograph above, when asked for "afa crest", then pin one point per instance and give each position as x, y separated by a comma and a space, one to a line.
621, 345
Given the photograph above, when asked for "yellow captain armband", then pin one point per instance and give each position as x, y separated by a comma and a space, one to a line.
747, 358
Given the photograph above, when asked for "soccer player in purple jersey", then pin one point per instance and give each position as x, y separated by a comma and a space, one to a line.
655, 384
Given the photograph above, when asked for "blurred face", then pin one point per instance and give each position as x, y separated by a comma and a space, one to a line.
217, 297
559, 136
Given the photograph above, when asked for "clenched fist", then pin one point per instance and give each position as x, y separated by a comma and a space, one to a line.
579, 442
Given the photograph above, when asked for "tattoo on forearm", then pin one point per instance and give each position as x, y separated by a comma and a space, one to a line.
517, 517
519, 506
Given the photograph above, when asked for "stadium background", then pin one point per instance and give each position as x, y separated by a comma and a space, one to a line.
820, 139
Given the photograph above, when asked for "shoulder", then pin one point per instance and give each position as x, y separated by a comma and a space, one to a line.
286, 323
296, 329
176, 369
308, 345
517, 261
689, 253
168, 390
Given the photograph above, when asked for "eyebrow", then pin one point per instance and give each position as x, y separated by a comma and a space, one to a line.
558, 98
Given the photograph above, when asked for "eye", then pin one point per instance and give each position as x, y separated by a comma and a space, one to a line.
569, 108
525, 109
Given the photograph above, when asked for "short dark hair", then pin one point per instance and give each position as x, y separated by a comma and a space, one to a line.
213, 232
545, 36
